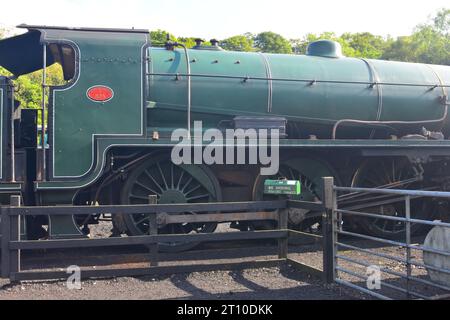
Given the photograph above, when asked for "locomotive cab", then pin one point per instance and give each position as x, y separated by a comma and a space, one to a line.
102, 96
20, 55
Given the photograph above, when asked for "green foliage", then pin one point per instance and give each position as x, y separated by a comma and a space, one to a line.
442, 21
366, 45
159, 37
430, 43
239, 43
190, 42
30, 86
271, 42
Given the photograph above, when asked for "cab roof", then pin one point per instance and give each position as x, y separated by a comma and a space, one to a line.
23, 54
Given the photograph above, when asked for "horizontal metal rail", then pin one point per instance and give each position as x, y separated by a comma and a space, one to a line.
412, 193
393, 273
390, 257
395, 243
361, 289
391, 218
374, 204
308, 81
377, 254
387, 285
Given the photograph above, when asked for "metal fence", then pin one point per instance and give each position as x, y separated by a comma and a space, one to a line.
12, 245
405, 274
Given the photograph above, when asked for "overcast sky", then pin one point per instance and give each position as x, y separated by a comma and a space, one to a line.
224, 18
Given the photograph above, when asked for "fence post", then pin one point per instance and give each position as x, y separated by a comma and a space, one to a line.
15, 236
153, 231
283, 216
408, 246
5, 242
329, 267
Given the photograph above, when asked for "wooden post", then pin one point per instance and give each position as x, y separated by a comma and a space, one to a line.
329, 267
15, 236
5, 243
283, 225
153, 231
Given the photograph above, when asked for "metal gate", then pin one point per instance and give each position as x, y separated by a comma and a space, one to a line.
387, 268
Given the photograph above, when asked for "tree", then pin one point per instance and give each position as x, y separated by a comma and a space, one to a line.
190, 42
430, 43
366, 45
400, 50
272, 43
300, 45
159, 37
442, 21
238, 43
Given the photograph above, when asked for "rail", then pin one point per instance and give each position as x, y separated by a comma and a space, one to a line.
246, 78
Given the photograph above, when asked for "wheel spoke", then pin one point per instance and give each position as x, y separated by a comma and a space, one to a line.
187, 184
147, 188
385, 225
193, 190
385, 171
198, 197
153, 179
141, 221
172, 175
393, 170
292, 176
162, 176
138, 197
181, 178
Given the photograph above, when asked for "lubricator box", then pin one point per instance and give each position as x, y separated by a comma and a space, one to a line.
283, 187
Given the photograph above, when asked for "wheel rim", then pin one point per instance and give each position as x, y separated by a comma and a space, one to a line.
383, 173
171, 184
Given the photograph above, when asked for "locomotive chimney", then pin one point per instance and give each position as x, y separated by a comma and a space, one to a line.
214, 42
199, 42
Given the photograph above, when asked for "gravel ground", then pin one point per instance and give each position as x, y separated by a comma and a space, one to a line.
282, 283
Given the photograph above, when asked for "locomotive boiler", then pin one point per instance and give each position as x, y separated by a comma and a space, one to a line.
367, 123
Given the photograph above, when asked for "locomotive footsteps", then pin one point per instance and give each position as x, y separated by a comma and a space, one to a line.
230, 147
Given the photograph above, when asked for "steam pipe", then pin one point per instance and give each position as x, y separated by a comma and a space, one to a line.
440, 120
189, 83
